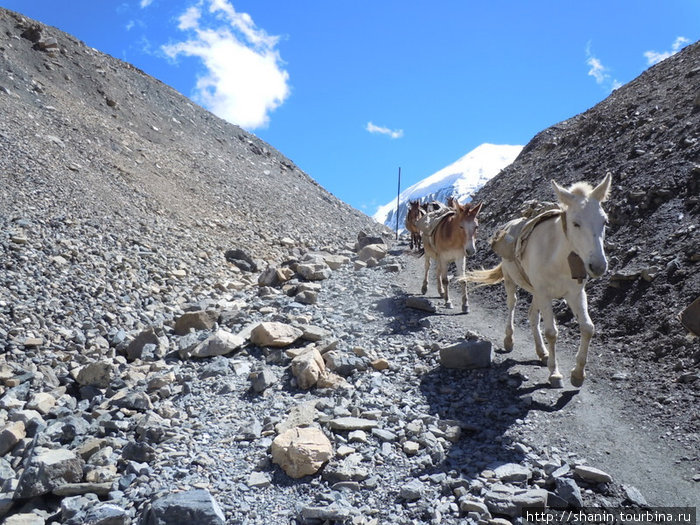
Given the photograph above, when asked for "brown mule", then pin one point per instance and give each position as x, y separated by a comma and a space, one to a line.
452, 239
415, 213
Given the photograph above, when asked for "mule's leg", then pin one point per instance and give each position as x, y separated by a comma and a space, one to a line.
550, 333
410, 242
579, 305
534, 316
463, 283
424, 288
443, 280
511, 298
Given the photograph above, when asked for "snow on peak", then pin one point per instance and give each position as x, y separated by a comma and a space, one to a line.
461, 179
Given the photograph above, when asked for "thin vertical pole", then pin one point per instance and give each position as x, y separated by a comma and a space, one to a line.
398, 193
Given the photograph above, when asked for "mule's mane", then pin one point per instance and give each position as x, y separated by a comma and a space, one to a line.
583, 189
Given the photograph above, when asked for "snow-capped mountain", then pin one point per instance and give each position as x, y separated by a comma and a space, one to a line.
460, 179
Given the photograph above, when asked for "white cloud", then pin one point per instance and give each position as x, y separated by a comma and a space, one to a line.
654, 57
393, 133
597, 70
244, 79
600, 72
145, 3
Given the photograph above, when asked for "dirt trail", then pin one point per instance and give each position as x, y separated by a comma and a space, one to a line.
594, 422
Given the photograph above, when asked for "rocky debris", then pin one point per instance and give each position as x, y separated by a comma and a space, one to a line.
301, 451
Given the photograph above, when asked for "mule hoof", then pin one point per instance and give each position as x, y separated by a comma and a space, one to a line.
448, 305
577, 379
424, 289
543, 358
465, 308
508, 344
556, 381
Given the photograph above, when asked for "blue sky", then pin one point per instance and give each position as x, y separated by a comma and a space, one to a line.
351, 90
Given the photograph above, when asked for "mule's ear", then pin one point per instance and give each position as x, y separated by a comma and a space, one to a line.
565, 196
476, 209
602, 190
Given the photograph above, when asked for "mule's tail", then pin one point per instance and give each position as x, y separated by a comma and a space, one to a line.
484, 277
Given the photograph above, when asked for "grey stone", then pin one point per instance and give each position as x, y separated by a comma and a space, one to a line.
314, 333
184, 508
508, 501
420, 303
352, 423
330, 513
512, 472
349, 468
106, 514
220, 343
262, 380
314, 271
568, 490
412, 491
47, 470
219, 366
97, 374
384, 435
467, 354
199, 320
634, 496
592, 475
135, 349
259, 480
344, 363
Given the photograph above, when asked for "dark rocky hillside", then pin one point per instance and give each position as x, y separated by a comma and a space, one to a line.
647, 134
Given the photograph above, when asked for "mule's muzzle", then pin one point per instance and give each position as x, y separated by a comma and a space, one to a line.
596, 269
470, 250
